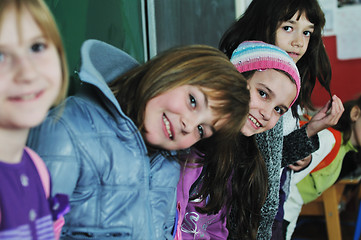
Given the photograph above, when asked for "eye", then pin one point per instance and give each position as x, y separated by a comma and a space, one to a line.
192, 101
5, 60
38, 47
200, 131
262, 94
307, 33
2, 57
279, 110
287, 28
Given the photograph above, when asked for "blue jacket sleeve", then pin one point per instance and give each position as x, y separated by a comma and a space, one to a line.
55, 145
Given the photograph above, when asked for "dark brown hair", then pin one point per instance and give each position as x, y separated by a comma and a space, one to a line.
345, 123
261, 21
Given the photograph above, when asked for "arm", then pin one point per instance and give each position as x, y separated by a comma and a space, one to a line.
301, 143
297, 145
328, 116
327, 141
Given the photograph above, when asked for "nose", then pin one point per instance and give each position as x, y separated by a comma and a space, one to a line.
188, 124
266, 113
298, 41
24, 69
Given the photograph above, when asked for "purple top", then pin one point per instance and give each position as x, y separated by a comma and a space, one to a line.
25, 212
194, 225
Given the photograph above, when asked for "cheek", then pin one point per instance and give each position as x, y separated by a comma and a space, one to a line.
307, 42
280, 38
273, 121
4, 83
254, 101
57, 72
186, 142
148, 138
51, 69
147, 115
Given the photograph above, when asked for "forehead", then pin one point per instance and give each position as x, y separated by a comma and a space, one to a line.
272, 79
18, 25
301, 17
278, 84
269, 76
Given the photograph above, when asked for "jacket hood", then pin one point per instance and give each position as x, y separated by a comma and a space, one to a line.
102, 63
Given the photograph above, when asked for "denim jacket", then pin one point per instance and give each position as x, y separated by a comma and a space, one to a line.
97, 156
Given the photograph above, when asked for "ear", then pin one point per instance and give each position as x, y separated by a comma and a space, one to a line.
355, 113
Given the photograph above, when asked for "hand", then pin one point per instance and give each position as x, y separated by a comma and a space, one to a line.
301, 164
326, 117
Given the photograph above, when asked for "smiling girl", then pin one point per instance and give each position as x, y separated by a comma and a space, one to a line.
33, 77
114, 148
296, 27
206, 193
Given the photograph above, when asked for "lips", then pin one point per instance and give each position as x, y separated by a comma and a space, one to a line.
254, 121
167, 127
293, 54
26, 97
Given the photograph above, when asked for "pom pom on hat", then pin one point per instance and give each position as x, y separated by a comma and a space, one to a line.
257, 55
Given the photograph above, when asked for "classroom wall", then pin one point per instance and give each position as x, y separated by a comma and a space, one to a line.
180, 22
143, 28
117, 22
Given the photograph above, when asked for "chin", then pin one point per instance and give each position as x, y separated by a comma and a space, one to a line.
247, 133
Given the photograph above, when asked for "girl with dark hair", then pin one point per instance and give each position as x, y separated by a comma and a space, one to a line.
207, 192
327, 163
296, 27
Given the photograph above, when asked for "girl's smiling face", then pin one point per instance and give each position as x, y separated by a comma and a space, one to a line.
30, 72
294, 35
179, 118
272, 92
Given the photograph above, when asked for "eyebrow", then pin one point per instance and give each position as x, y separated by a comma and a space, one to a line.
31, 39
294, 22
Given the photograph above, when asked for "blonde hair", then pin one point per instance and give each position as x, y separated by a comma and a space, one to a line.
45, 20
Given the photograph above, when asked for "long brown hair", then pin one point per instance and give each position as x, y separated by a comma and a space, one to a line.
261, 21
237, 180
197, 65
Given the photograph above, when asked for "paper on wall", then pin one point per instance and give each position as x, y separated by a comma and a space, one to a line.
329, 8
348, 32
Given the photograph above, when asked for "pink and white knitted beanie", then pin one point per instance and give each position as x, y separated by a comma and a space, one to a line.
257, 55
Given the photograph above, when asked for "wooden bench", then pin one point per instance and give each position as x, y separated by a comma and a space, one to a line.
327, 205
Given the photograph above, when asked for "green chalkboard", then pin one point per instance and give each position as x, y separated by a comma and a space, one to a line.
117, 22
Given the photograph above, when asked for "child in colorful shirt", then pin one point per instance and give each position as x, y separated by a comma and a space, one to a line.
266, 68
33, 77
326, 165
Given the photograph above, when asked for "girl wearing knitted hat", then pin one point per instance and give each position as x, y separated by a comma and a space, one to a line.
295, 26
274, 85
